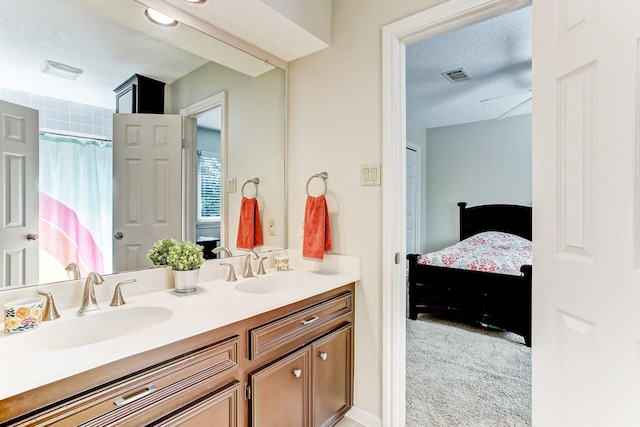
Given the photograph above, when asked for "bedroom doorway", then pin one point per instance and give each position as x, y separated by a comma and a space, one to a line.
478, 159
396, 36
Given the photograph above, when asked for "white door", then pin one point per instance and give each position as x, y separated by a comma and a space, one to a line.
413, 200
147, 202
19, 189
586, 266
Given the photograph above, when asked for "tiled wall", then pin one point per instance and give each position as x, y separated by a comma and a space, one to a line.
61, 116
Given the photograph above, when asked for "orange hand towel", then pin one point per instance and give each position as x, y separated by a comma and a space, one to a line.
249, 230
317, 231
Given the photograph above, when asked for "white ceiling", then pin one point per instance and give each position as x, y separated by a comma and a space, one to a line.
496, 54
111, 40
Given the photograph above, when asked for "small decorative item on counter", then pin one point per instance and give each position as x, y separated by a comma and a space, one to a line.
160, 250
185, 258
282, 263
23, 315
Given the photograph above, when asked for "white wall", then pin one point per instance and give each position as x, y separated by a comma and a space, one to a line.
478, 163
334, 125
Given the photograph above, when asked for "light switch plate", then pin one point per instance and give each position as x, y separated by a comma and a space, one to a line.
231, 185
370, 174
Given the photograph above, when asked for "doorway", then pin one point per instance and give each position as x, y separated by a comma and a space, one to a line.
396, 37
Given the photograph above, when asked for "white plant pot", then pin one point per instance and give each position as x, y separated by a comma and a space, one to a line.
185, 281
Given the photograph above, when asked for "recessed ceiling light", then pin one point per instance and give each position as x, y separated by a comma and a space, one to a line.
160, 18
198, 2
58, 69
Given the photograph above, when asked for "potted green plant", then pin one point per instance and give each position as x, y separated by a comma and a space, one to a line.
160, 250
185, 259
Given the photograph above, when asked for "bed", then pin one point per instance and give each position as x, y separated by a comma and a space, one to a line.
491, 296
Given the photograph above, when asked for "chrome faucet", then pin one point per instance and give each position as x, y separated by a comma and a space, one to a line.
248, 271
89, 302
73, 268
227, 252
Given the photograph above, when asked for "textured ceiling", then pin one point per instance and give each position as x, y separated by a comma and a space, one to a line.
496, 54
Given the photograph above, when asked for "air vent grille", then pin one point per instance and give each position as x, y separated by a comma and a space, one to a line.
456, 76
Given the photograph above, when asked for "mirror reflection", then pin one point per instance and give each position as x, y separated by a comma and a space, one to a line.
232, 107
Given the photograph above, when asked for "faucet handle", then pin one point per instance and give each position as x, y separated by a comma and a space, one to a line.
261, 266
232, 274
50, 312
117, 294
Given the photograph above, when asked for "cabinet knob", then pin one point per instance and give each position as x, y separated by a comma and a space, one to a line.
323, 355
32, 237
118, 235
297, 373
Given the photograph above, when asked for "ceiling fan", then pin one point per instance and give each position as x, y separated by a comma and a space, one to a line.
514, 107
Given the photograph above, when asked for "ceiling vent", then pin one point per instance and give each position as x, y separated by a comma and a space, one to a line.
456, 76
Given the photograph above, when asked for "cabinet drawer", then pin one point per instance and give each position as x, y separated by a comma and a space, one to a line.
301, 324
135, 391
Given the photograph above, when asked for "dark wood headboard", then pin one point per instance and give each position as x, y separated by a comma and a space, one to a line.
514, 219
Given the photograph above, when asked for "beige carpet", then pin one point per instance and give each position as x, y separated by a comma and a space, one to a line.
461, 376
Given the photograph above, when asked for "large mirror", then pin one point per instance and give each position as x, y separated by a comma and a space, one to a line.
234, 109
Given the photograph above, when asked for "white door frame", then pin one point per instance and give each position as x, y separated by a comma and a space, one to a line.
189, 161
446, 17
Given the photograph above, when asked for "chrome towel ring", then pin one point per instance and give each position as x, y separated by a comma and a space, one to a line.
254, 181
322, 175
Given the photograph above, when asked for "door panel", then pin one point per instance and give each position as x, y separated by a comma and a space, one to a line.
332, 376
280, 394
413, 201
147, 202
19, 189
586, 281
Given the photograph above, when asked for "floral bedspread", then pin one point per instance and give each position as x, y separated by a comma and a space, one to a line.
489, 251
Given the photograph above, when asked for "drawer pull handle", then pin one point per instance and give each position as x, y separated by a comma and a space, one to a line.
297, 373
123, 401
323, 355
308, 321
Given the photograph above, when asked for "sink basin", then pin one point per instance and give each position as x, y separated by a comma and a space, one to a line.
268, 284
99, 326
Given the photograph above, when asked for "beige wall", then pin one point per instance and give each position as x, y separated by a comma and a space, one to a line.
334, 125
255, 133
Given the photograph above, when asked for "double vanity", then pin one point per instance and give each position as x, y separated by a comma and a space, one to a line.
275, 349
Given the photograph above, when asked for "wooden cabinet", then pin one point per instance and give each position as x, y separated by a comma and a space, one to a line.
148, 394
311, 386
281, 393
292, 366
140, 94
332, 376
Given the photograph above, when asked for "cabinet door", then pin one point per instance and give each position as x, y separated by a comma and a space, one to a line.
332, 376
280, 392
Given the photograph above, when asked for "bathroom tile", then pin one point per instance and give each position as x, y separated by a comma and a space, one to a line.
24, 99
75, 118
75, 108
37, 102
50, 103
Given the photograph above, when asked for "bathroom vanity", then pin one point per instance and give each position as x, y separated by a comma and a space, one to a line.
257, 352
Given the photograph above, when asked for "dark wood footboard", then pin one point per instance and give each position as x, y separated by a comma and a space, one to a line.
498, 300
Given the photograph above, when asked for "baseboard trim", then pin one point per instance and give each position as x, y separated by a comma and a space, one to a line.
364, 418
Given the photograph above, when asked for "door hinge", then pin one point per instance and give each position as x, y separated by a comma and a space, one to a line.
397, 258
247, 392
184, 142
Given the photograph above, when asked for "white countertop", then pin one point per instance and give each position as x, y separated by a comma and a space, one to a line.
26, 365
